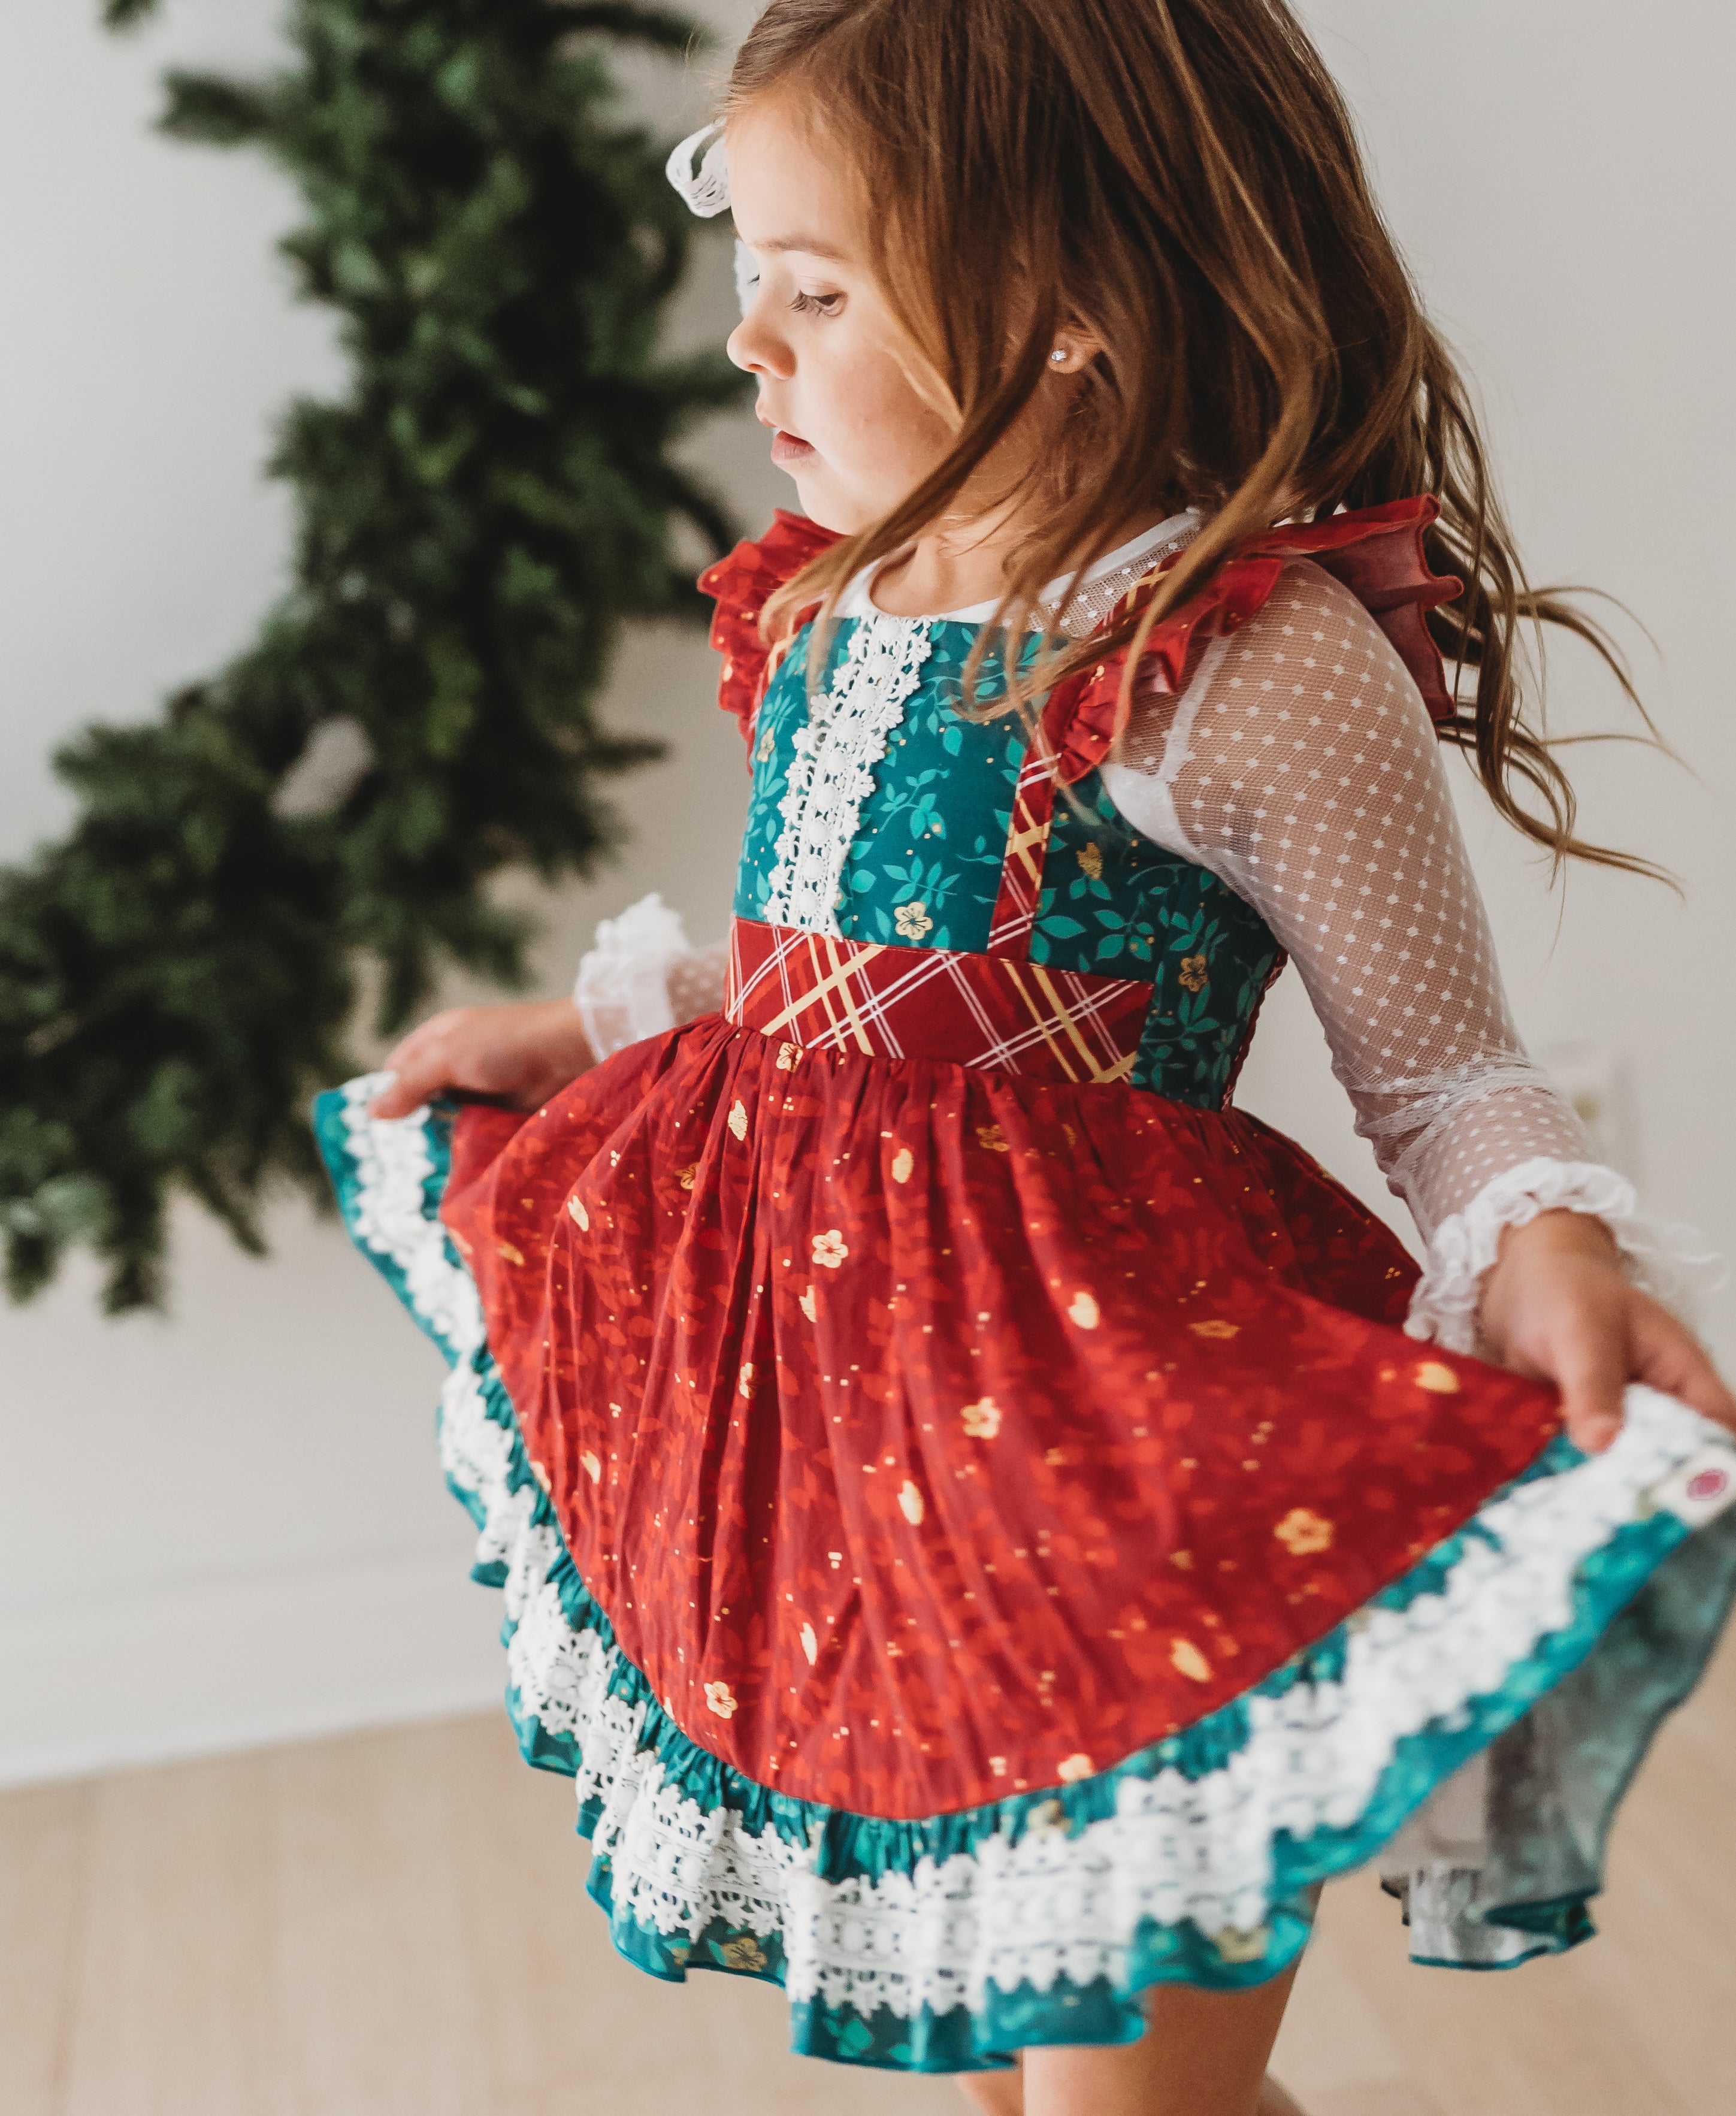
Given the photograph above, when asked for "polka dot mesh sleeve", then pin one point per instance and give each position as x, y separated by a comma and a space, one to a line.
1301, 768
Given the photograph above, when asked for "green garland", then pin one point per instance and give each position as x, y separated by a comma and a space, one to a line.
492, 498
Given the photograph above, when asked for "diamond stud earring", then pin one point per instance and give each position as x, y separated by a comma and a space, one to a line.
1058, 356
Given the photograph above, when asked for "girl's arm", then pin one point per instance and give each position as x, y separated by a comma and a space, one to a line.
1301, 767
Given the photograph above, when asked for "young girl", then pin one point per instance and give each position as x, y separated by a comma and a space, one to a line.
989, 1527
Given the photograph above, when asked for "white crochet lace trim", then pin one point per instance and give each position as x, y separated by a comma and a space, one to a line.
393, 1164
1671, 1263
623, 988
832, 769
1051, 1904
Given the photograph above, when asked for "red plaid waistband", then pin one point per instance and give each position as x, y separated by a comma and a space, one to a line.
826, 993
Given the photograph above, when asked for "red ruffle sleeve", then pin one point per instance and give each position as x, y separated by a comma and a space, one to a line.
1377, 552
741, 584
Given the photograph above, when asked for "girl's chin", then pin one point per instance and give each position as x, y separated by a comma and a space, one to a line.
823, 503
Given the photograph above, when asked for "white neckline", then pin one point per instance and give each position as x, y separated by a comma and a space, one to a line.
857, 600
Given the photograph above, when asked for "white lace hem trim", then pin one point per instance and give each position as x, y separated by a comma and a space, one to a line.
1052, 1902
1672, 1263
623, 988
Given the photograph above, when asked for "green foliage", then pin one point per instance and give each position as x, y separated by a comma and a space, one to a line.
493, 496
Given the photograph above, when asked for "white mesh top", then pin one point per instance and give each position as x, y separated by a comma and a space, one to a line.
1301, 767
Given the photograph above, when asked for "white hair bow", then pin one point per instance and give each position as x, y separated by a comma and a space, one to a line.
706, 191
706, 188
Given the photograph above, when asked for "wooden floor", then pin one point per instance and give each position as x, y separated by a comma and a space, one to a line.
394, 1925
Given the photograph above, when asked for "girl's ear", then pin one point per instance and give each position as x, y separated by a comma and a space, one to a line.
1075, 348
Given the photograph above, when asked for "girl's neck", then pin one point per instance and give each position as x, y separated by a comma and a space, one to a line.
960, 567
951, 567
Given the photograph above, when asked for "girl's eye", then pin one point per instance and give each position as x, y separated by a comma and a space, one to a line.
823, 304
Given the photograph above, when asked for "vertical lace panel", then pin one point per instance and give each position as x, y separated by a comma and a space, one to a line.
832, 771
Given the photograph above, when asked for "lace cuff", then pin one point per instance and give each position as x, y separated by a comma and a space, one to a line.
623, 989
1672, 1263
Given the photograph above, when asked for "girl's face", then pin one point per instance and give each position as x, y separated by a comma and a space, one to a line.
852, 427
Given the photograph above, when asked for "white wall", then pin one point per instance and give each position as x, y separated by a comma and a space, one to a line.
228, 1525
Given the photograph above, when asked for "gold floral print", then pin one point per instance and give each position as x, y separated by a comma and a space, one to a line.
739, 1120
687, 1176
829, 1249
1438, 1379
1192, 975
1090, 860
721, 1699
1215, 1328
910, 1503
512, 1255
1071, 1769
1186, 1657
809, 1643
591, 1466
745, 1379
742, 1952
1302, 1532
912, 921
580, 1217
809, 1305
788, 1054
902, 1162
993, 1138
541, 1475
1084, 1311
982, 1420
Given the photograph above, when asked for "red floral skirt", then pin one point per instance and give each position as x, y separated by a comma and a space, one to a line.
928, 1434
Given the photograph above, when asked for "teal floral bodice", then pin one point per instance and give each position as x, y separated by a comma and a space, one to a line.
880, 812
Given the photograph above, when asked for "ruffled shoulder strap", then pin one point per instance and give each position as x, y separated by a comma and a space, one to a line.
741, 584
1377, 552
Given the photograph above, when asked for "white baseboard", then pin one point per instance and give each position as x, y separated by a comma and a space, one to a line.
227, 1664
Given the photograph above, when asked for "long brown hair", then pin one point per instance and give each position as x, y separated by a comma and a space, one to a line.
1181, 179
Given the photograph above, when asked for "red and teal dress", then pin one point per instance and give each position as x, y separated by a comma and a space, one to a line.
972, 1524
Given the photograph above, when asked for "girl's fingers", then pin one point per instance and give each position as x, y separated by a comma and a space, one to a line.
1637, 1341
514, 1056
1668, 1357
1592, 1373
425, 1062
420, 1067
411, 1085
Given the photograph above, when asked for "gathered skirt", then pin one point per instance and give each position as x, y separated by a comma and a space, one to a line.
983, 1548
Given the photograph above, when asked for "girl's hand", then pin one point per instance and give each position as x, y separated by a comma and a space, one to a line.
520, 1056
1558, 1306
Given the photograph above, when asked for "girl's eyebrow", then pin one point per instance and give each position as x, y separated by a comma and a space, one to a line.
808, 244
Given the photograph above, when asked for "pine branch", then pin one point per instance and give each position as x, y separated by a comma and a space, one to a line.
479, 512
215, 112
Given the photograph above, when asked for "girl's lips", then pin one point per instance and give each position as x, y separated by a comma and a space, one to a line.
788, 448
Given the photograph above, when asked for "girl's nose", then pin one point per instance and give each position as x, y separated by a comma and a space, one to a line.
754, 346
